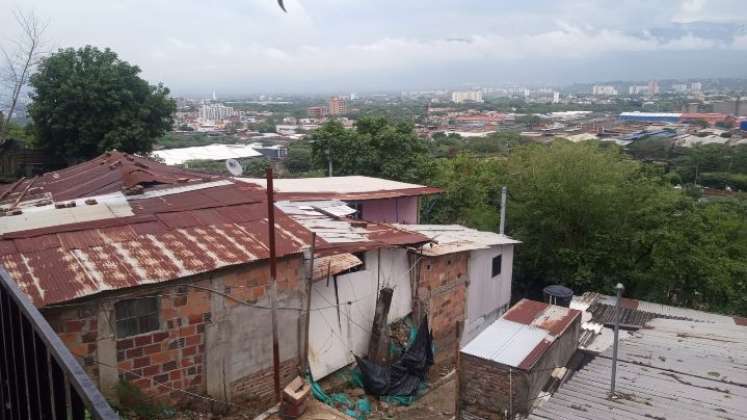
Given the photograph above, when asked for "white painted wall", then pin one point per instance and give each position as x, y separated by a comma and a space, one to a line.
333, 340
487, 296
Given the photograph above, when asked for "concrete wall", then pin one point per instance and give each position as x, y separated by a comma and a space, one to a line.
207, 343
391, 210
488, 297
441, 294
336, 335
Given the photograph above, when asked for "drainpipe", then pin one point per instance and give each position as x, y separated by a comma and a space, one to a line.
620, 289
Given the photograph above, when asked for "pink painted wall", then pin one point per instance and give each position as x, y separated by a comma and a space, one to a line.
392, 210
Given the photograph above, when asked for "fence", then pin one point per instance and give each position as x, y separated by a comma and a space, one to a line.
39, 377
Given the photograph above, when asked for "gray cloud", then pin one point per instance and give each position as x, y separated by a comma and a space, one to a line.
244, 46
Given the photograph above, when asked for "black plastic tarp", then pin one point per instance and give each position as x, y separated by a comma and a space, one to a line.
403, 377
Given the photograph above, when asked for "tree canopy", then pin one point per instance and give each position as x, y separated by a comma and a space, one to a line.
87, 101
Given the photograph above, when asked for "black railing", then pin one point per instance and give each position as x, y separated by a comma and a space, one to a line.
39, 377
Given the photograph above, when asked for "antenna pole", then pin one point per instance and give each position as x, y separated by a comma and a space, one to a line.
619, 288
273, 283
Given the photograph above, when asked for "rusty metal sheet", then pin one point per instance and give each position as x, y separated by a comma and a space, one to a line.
325, 267
525, 311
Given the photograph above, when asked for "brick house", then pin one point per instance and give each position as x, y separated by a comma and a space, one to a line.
157, 275
503, 370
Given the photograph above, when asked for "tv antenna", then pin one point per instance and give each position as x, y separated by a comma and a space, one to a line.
234, 167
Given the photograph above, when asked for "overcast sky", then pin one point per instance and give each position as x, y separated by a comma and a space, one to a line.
321, 46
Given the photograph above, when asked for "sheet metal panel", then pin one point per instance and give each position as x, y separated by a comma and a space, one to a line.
506, 342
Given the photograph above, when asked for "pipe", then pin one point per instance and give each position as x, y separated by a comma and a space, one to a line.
504, 191
619, 288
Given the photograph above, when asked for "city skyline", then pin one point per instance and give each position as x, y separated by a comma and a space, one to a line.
329, 46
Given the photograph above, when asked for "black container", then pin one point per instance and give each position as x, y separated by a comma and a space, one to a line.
558, 295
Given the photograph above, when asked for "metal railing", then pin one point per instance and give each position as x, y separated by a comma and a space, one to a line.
39, 377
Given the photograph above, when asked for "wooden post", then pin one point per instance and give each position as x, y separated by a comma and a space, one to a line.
307, 313
378, 347
273, 284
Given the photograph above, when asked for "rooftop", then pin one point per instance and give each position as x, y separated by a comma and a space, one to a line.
520, 337
670, 369
150, 223
342, 188
448, 239
209, 152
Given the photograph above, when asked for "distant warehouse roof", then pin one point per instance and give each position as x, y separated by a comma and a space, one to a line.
215, 152
651, 116
342, 188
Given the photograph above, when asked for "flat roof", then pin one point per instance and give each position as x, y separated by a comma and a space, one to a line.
523, 334
448, 239
354, 187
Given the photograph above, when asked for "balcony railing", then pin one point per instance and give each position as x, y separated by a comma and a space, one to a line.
39, 377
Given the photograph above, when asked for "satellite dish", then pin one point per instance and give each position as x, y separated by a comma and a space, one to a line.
234, 167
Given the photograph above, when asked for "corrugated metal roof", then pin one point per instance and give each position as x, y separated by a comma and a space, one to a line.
670, 370
325, 267
317, 216
342, 188
167, 232
449, 239
209, 152
523, 334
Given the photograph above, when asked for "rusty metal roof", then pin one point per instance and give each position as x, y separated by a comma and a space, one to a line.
523, 334
671, 369
177, 228
325, 267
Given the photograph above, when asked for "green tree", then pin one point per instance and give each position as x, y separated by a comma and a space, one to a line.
299, 157
530, 120
88, 101
376, 147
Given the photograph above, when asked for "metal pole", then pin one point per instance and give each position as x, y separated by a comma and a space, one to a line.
329, 162
504, 192
619, 288
273, 283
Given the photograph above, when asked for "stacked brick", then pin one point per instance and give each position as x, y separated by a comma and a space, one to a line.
442, 290
171, 358
484, 389
78, 329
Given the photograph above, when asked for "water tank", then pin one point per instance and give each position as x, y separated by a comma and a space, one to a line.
743, 125
558, 295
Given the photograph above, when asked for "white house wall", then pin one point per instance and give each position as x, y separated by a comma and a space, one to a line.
487, 297
333, 340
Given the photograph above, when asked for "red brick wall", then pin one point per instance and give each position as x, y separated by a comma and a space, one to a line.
442, 293
484, 389
261, 385
173, 356
78, 329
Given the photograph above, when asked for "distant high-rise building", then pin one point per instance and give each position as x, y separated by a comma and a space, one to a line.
679, 88
318, 112
696, 87
353, 96
603, 90
215, 112
638, 90
215, 97
653, 87
462, 96
556, 97
337, 106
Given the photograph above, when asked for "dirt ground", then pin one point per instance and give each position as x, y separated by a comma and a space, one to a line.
437, 404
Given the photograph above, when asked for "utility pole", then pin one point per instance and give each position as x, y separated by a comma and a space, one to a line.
329, 161
273, 283
620, 289
504, 193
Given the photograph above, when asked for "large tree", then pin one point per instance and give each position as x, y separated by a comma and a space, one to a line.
88, 101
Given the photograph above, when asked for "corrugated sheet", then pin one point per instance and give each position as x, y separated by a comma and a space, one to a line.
166, 232
506, 342
523, 334
672, 369
343, 188
449, 239
326, 267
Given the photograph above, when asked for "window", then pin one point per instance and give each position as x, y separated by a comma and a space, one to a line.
497, 261
136, 316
